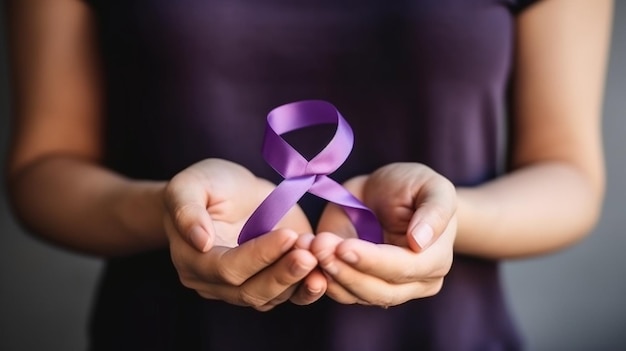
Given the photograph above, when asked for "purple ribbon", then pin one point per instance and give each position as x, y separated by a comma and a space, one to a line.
303, 176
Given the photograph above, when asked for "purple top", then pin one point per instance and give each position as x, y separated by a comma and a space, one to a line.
422, 81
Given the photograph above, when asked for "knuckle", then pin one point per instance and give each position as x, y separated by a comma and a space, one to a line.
186, 282
300, 299
227, 275
439, 217
387, 298
184, 275
264, 308
279, 300
341, 297
443, 267
187, 279
176, 258
206, 295
404, 276
263, 256
433, 287
346, 299
250, 299
440, 272
284, 280
183, 213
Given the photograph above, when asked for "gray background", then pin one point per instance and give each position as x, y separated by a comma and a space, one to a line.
573, 300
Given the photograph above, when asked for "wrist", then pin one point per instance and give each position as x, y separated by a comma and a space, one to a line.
140, 209
467, 205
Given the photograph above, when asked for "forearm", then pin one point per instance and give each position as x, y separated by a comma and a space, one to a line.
83, 207
534, 210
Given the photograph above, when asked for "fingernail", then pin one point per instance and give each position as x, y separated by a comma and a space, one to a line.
199, 238
313, 291
349, 257
423, 234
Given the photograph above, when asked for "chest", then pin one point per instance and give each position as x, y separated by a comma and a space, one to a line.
342, 40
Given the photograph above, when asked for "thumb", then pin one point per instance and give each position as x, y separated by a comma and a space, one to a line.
435, 204
186, 205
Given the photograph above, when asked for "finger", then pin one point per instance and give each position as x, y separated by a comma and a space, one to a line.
396, 239
270, 283
186, 200
323, 247
304, 241
435, 202
236, 275
280, 299
311, 289
352, 285
357, 287
314, 285
398, 265
236, 265
371, 291
340, 294
184, 256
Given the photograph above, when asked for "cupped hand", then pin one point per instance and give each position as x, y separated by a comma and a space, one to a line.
416, 208
207, 204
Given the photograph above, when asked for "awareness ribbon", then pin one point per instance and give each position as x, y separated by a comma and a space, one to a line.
301, 176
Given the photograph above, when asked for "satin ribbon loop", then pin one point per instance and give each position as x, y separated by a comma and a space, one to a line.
301, 176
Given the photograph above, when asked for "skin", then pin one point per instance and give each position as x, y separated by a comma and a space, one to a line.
408, 199
550, 198
262, 272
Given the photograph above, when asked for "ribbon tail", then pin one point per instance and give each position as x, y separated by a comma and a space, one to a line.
274, 207
364, 220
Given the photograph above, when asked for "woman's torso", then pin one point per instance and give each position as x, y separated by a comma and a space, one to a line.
420, 81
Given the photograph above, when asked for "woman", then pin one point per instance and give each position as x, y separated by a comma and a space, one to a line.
137, 135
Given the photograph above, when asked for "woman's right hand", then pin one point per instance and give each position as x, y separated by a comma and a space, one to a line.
207, 205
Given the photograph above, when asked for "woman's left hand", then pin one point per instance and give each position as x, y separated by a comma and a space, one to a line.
416, 208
